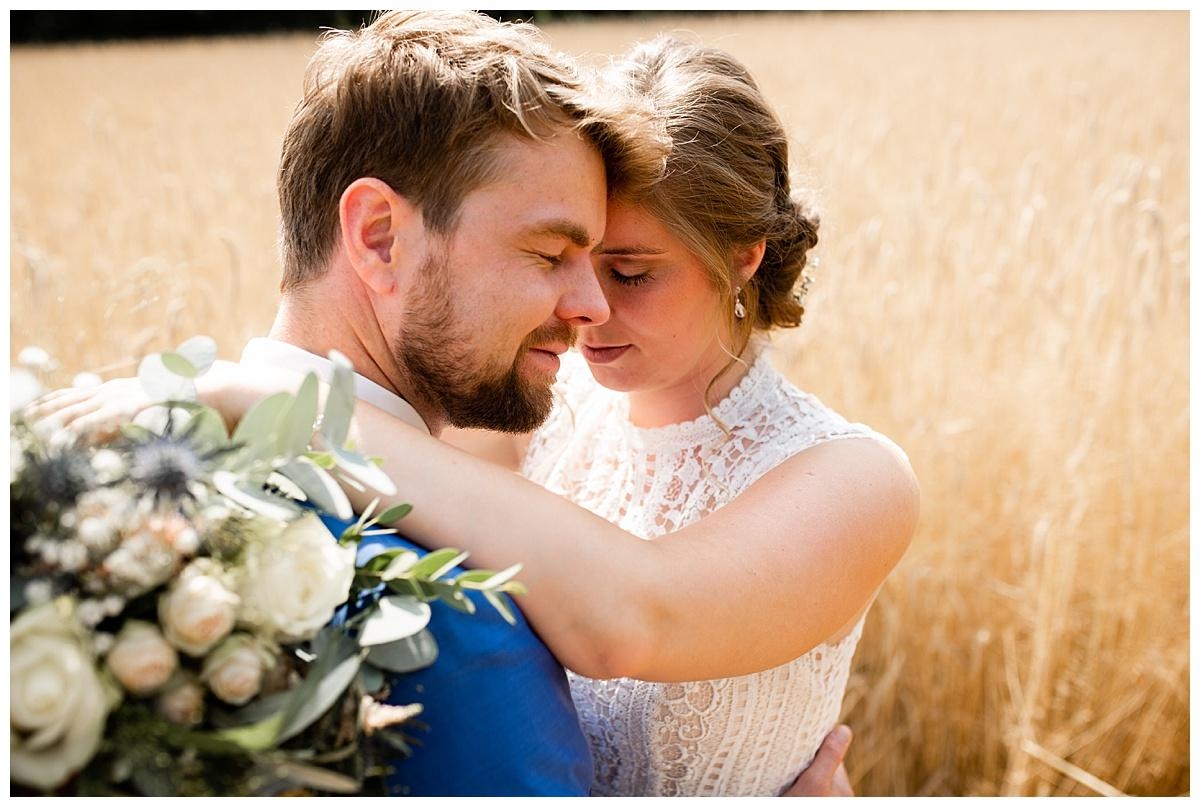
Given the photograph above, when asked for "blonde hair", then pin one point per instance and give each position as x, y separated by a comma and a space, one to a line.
418, 99
726, 184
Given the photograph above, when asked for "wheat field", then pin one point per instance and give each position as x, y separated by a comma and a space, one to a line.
1003, 290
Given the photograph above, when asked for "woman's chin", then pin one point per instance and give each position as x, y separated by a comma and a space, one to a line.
613, 378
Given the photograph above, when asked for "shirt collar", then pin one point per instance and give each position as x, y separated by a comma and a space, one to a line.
264, 351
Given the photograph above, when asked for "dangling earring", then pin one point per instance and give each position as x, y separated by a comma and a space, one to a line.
739, 310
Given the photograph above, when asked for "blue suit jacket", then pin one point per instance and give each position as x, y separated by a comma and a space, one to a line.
501, 721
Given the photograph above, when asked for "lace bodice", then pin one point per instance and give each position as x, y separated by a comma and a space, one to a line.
747, 735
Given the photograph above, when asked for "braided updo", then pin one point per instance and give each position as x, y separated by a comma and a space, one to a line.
725, 185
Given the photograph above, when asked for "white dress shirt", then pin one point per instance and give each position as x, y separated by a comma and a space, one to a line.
266, 352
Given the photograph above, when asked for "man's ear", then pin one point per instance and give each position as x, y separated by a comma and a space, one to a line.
747, 259
379, 228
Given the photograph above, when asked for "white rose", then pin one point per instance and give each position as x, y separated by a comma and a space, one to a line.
294, 580
58, 703
197, 611
234, 671
141, 659
183, 704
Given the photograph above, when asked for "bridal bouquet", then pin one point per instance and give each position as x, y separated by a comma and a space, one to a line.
182, 619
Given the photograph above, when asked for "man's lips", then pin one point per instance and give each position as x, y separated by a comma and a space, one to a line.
603, 354
547, 355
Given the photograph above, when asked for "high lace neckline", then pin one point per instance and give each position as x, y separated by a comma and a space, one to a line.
704, 428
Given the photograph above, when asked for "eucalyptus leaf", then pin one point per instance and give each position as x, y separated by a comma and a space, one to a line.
319, 488
359, 468
136, 432
257, 710
394, 617
179, 365
250, 495
339, 404
259, 428
315, 777
327, 679
200, 351
256, 736
160, 384
405, 655
207, 428
370, 678
296, 428
437, 563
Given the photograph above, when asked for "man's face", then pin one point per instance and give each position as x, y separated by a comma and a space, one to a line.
502, 295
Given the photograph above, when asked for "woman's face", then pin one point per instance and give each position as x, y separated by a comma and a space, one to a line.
667, 319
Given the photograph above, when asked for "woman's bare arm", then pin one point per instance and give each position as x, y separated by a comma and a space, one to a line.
778, 571
781, 569
498, 448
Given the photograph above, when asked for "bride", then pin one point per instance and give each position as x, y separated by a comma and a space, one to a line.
704, 539
718, 534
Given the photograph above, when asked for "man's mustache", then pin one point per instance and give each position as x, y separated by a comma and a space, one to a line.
552, 333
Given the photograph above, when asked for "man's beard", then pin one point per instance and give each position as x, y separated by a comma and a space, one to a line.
443, 371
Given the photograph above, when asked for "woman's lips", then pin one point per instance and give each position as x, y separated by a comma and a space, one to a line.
603, 355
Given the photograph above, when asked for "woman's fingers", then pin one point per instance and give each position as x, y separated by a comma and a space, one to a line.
103, 409
55, 401
99, 427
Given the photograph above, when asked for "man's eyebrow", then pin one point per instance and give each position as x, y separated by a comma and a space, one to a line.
563, 228
601, 249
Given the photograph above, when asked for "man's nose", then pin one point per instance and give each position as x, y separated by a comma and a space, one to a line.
582, 301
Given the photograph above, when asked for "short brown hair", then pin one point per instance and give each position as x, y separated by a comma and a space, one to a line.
417, 99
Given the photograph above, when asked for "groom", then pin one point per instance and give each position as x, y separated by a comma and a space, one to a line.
441, 186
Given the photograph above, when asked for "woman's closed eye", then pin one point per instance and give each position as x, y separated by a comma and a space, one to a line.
636, 279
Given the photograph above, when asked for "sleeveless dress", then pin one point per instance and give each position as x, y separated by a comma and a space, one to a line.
745, 735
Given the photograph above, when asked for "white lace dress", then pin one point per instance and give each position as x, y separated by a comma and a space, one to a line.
747, 735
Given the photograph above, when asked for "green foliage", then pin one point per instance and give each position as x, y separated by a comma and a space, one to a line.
304, 732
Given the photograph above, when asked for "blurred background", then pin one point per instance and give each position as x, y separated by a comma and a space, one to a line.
1003, 290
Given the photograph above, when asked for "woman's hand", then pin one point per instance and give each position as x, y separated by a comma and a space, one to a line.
826, 775
97, 414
